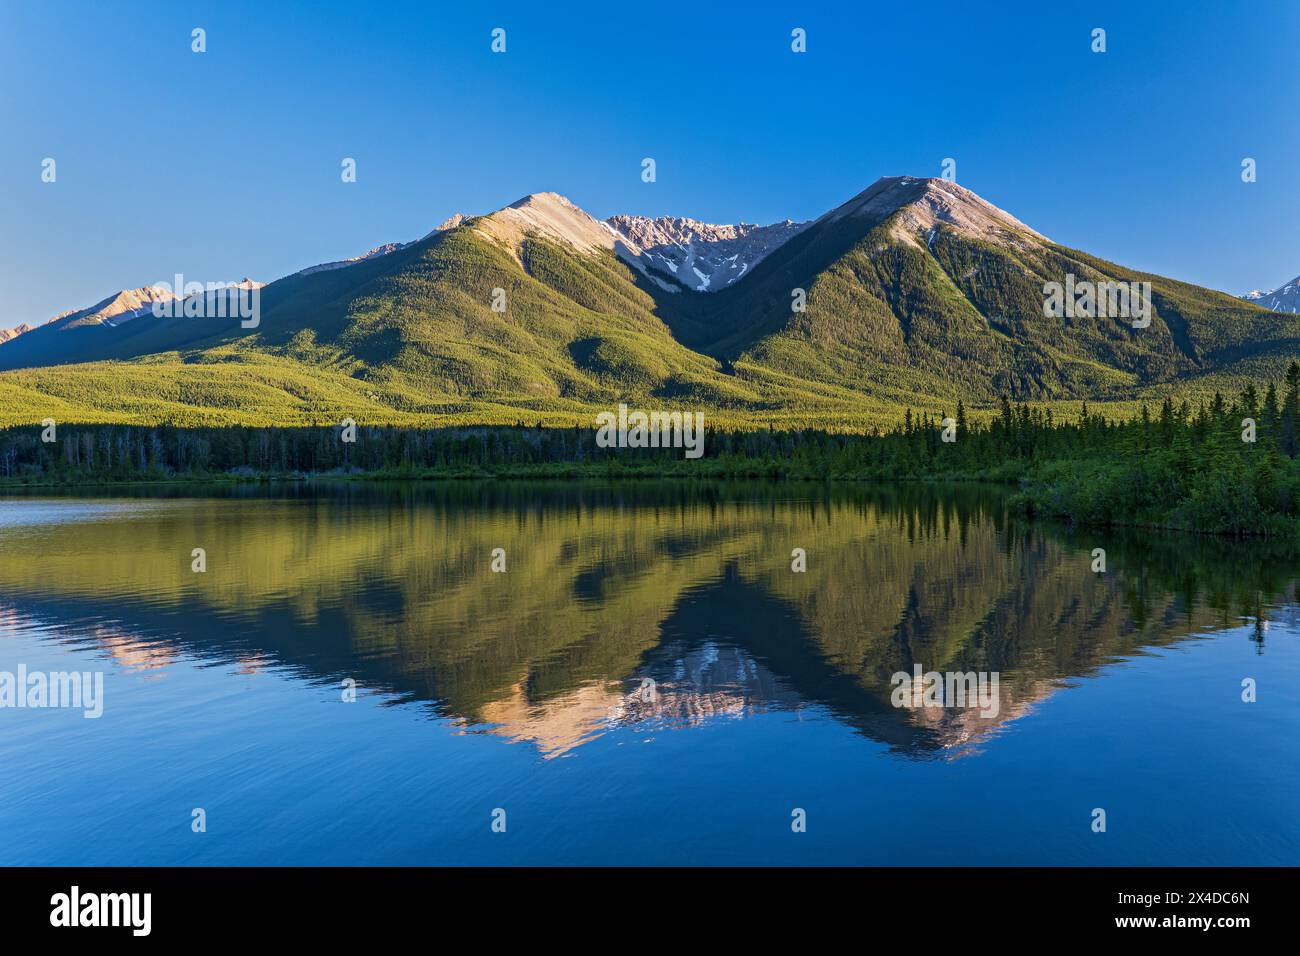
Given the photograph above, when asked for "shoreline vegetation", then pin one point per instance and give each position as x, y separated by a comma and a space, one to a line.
1223, 466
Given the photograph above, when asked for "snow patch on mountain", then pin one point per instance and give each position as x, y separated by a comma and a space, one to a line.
1284, 298
716, 255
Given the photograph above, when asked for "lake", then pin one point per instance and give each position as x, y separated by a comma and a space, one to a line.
648, 681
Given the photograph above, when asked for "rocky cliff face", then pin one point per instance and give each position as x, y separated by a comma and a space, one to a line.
700, 255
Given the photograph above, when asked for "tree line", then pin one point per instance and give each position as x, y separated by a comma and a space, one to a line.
1225, 464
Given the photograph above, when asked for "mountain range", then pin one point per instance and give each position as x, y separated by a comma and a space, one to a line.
916, 292
714, 617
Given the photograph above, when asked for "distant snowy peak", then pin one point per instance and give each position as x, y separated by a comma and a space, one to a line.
702, 256
1283, 299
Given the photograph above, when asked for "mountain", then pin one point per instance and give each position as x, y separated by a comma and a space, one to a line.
917, 292
676, 606
699, 255
7, 334
55, 343
1285, 298
919, 287
118, 309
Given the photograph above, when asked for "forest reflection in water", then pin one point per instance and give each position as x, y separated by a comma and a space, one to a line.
647, 605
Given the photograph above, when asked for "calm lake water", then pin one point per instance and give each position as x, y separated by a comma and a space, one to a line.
647, 683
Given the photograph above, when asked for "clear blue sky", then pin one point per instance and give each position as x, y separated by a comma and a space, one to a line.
226, 163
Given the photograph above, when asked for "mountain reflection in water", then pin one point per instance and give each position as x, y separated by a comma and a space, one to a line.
647, 606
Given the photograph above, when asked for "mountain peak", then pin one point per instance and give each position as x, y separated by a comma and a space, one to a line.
120, 307
546, 200
7, 334
1285, 298
451, 222
925, 203
552, 216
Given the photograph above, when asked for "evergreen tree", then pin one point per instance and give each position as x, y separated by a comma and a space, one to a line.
1290, 426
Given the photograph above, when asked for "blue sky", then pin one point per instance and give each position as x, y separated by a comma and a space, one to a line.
226, 163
